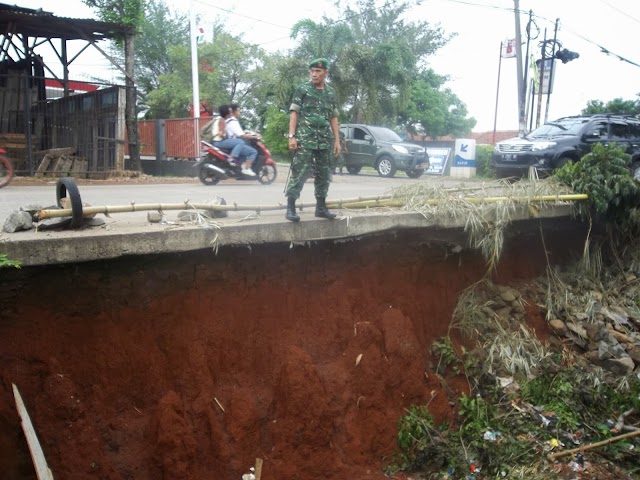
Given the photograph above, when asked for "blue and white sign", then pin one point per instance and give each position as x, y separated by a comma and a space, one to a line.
438, 158
465, 153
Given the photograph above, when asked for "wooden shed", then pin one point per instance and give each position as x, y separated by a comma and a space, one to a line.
86, 124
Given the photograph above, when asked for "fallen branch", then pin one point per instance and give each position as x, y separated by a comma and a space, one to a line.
620, 422
554, 456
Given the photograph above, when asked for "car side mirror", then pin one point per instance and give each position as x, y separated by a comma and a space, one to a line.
368, 138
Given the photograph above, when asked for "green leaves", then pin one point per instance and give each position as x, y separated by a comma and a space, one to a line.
6, 262
604, 175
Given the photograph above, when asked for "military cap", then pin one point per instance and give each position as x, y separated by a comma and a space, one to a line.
319, 63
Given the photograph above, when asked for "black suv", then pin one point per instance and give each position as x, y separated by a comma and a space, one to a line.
382, 149
567, 139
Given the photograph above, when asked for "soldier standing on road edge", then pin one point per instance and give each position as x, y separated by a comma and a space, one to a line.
313, 122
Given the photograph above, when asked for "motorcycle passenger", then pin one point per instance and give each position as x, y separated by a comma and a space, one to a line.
233, 129
214, 133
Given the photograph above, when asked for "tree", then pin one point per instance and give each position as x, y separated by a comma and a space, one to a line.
434, 110
616, 106
374, 53
159, 31
131, 14
228, 73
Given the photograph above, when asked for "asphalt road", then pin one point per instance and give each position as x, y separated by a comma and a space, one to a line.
16, 196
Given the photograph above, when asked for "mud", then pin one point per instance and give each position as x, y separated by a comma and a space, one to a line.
192, 366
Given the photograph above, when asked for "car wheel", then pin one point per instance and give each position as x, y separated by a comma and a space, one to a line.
353, 170
635, 171
562, 161
386, 166
414, 173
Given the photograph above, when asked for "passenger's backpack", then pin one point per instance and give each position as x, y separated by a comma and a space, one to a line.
213, 131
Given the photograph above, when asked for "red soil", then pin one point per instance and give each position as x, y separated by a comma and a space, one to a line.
126, 366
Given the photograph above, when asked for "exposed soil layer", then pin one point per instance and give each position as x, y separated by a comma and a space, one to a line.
191, 366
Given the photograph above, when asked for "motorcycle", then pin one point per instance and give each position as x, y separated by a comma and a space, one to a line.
6, 169
215, 165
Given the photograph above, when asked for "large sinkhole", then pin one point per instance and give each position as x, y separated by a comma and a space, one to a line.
193, 365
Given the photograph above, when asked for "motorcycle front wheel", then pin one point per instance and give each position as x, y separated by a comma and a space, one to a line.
208, 177
267, 174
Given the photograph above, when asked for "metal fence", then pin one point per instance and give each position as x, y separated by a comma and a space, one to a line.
176, 138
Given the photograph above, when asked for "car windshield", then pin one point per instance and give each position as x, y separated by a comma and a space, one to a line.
384, 134
563, 126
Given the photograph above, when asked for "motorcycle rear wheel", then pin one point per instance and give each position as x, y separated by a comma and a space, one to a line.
207, 177
267, 174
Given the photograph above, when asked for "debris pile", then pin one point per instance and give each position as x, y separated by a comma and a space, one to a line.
552, 369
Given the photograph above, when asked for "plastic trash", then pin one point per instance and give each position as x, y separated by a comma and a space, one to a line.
491, 436
249, 476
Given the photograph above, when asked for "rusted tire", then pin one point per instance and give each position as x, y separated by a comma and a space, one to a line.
67, 188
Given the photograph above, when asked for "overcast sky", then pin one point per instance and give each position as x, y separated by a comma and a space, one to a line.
471, 59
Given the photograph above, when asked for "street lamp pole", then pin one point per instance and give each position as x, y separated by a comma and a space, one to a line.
553, 61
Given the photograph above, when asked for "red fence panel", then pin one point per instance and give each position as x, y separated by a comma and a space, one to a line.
147, 138
182, 137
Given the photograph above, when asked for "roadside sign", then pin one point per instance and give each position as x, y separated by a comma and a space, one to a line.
438, 158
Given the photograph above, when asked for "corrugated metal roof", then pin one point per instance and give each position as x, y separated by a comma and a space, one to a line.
41, 24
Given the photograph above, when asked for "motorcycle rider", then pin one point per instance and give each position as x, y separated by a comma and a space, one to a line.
234, 130
214, 133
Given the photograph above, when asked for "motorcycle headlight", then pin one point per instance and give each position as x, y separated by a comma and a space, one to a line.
400, 148
542, 146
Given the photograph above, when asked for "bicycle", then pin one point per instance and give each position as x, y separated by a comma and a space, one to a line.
6, 169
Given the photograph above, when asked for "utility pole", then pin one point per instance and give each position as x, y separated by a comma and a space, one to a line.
541, 87
526, 66
521, 119
195, 81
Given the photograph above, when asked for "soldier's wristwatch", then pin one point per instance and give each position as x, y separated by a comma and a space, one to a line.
291, 135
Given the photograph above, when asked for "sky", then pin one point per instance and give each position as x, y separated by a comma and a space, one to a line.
471, 59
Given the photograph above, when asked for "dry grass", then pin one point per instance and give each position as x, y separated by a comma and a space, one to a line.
485, 210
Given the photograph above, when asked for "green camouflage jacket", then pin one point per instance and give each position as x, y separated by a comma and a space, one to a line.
315, 107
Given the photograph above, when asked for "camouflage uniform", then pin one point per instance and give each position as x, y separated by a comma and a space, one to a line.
314, 137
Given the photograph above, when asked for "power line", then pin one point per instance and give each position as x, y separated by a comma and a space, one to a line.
620, 11
592, 42
241, 15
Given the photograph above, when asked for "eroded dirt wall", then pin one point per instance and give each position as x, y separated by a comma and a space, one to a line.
190, 366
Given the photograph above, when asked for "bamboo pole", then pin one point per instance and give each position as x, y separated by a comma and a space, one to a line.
553, 456
360, 202
43, 472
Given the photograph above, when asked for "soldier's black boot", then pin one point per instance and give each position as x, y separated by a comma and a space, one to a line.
291, 210
322, 211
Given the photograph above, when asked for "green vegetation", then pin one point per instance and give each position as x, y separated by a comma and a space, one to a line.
616, 106
6, 262
378, 68
483, 161
508, 431
604, 175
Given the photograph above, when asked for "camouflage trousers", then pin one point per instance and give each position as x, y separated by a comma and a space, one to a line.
304, 162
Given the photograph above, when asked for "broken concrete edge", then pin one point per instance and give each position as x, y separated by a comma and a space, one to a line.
85, 245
